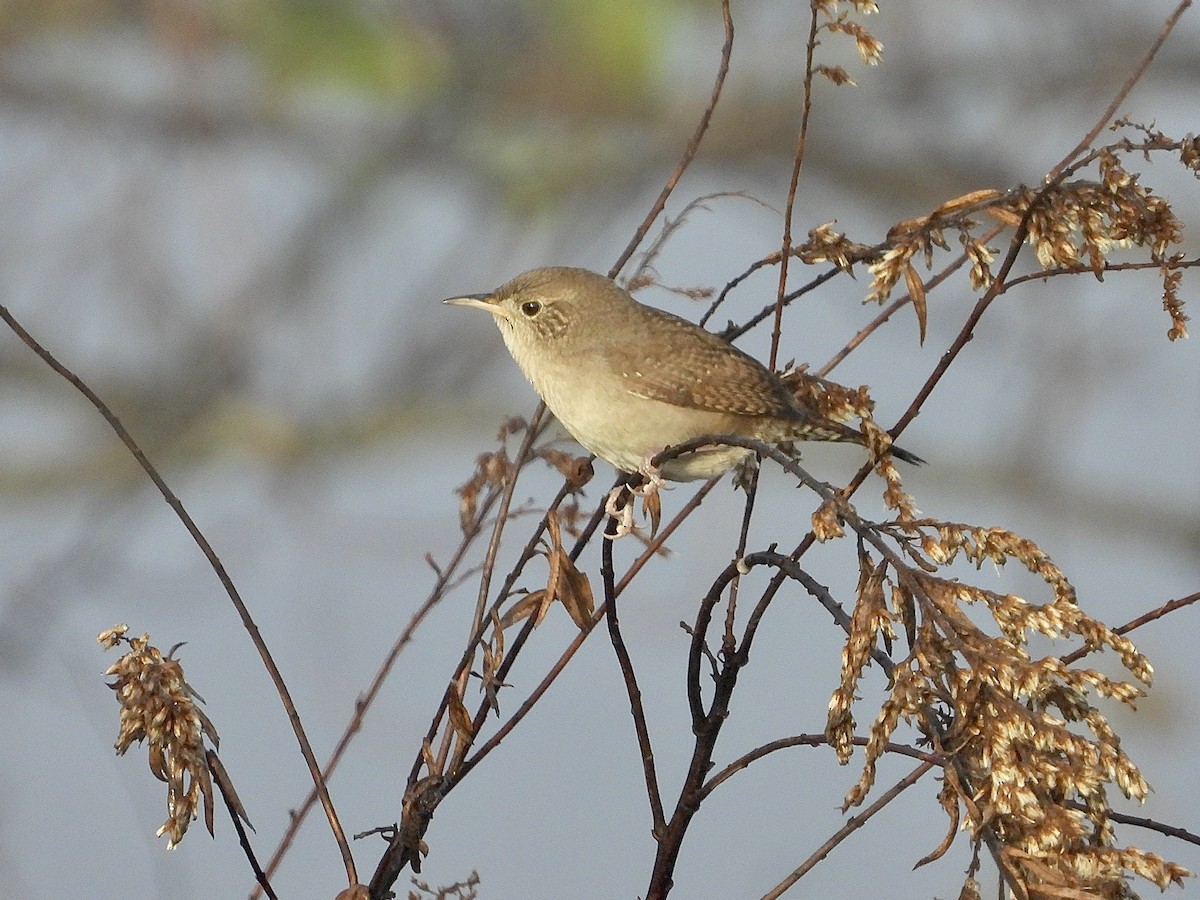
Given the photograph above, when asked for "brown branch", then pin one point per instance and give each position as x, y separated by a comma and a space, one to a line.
218, 567
1141, 822
1105, 269
577, 642
706, 725
728, 641
364, 702
852, 825
478, 620
1169, 607
689, 152
1059, 170
794, 183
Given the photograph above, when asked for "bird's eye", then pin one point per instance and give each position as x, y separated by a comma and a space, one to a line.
531, 308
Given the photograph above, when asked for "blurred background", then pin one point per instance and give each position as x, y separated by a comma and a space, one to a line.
235, 220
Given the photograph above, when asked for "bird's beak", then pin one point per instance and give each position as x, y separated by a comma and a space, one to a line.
485, 302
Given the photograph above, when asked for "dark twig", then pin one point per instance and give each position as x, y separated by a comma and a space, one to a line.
728, 640
627, 673
807, 740
1141, 822
1108, 267
706, 725
233, 807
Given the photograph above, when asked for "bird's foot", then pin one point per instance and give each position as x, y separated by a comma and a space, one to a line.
619, 506
645, 483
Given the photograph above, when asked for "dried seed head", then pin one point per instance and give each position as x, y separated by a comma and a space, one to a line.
158, 707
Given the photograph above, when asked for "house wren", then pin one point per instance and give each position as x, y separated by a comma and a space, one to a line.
628, 380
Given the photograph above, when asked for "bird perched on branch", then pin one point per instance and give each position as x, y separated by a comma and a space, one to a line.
628, 380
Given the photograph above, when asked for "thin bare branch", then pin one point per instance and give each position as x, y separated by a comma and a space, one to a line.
689, 151
218, 567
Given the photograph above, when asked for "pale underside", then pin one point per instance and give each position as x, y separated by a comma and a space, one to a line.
625, 407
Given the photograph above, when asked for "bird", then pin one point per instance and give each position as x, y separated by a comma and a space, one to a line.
628, 380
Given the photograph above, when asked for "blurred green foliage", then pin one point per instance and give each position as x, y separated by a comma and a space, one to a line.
603, 48
317, 42
581, 56
541, 93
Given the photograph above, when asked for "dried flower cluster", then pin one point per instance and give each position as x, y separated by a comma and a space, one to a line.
1073, 227
158, 707
870, 50
1028, 755
828, 400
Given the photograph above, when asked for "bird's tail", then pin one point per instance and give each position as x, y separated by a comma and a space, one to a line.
828, 430
826, 406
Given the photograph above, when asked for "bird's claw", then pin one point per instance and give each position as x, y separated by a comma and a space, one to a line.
621, 499
620, 507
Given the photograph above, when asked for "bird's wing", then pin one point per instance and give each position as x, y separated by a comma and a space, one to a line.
708, 374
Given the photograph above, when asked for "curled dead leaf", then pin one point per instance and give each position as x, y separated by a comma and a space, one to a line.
974, 198
916, 291
575, 592
524, 607
652, 507
460, 719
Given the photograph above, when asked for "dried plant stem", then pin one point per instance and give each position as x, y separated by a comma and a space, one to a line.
797, 163
485, 577
1169, 607
577, 642
364, 703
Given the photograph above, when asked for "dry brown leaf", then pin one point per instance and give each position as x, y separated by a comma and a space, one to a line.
524, 607
575, 592
217, 768
949, 801
652, 507
907, 225
206, 791
460, 719
916, 290
1004, 215
577, 470
972, 199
